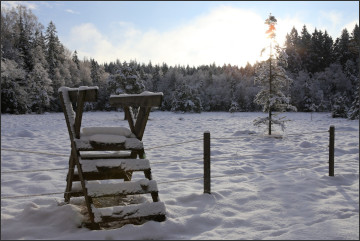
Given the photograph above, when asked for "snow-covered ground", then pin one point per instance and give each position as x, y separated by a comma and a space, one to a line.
262, 188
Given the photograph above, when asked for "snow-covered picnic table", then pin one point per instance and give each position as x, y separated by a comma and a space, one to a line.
145, 101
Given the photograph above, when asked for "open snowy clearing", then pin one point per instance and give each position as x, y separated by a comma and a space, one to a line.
262, 188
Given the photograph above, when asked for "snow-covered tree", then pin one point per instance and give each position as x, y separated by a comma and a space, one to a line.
185, 99
39, 89
13, 95
126, 81
339, 107
234, 107
354, 110
76, 59
272, 77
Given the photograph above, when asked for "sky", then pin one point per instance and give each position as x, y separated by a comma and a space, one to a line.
184, 32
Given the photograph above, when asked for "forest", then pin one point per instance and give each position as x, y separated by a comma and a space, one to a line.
34, 64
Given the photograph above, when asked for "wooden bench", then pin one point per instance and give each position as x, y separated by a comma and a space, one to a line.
85, 168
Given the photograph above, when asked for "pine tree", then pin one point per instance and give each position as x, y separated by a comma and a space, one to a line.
24, 45
76, 59
185, 98
126, 81
54, 55
272, 77
354, 110
39, 89
341, 48
95, 72
13, 95
304, 49
339, 107
292, 45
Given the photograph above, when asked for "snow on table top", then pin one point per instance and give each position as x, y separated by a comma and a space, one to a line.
130, 211
144, 93
138, 187
124, 164
131, 143
88, 88
65, 88
110, 130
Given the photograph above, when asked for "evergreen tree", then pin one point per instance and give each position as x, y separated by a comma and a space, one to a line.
24, 46
292, 45
339, 107
95, 72
341, 48
39, 89
354, 110
76, 59
13, 95
272, 77
126, 81
304, 48
185, 99
54, 50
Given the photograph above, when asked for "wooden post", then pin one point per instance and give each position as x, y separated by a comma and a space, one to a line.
331, 151
207, 162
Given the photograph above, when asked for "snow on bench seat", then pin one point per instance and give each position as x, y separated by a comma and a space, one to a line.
88, 143
122, 164
143, 210
142, 186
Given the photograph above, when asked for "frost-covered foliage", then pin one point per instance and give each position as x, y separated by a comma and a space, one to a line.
339, 107
35, 62
13, 93
272, 77
185, 99
354, 110
234, 107
126, 81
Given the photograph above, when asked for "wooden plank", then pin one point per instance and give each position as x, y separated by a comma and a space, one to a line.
141, 122
85, 145
79, 112
91, 94
69, 178
120, 164
130, 118
88, 200
115, 155
136, 100
104, 175
153, 211
143, 186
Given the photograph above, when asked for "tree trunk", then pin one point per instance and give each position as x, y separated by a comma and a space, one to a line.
270, 78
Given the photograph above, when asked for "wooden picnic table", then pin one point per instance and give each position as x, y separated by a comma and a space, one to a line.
145, 101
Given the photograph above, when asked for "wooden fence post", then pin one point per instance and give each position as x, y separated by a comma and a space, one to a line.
207, 162
331, 151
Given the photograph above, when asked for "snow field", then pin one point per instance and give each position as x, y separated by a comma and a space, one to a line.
258, 189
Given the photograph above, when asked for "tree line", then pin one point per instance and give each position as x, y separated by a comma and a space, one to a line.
34, 64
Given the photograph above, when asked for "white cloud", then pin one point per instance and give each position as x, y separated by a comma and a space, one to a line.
10, 4
349, 26
224, 35
71, 11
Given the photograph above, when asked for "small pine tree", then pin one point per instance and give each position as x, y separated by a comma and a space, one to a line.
354, 110
234, 107
339, 108
272, 77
